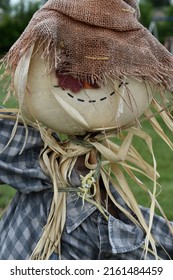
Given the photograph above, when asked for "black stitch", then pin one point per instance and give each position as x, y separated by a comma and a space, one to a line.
126, 83
81, 100
120, 84
112, 93
101, 99
70, 95
56, 86
92, 101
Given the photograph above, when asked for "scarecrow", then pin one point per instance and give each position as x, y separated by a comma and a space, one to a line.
86, 74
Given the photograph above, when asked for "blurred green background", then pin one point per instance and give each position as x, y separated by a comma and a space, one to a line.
13, 20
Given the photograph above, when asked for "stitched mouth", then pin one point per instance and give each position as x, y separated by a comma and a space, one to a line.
91, 100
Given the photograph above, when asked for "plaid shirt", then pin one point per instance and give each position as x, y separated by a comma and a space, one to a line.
87, 235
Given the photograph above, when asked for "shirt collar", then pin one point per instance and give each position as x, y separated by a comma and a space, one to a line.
78, 210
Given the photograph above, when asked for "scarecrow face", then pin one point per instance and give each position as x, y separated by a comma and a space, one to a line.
73, 109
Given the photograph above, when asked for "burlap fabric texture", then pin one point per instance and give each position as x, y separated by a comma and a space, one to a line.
97, 38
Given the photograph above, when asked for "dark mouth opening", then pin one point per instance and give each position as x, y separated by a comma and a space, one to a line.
66, 81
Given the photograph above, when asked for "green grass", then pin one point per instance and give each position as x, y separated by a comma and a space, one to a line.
11, 103
6, 194
164, 158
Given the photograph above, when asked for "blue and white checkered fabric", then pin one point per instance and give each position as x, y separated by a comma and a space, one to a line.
86, 236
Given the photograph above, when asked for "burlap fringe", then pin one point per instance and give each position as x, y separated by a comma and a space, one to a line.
160, 76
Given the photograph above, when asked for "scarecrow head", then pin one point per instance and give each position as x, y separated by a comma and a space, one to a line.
83, 65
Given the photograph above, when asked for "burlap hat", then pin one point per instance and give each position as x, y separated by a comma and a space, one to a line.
97, 38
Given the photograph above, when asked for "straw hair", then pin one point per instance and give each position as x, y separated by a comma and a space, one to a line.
113, 162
